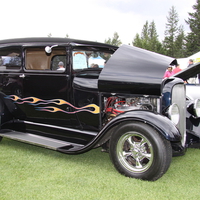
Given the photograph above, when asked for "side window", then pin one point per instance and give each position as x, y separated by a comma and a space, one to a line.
89, 59
37, 59
10, 58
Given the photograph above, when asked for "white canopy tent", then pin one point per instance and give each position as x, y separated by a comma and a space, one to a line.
183, 62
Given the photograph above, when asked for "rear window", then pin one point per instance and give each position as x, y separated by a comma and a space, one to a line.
10, 58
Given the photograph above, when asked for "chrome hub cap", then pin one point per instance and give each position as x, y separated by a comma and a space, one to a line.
135, 152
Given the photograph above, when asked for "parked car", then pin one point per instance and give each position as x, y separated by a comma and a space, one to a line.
109, 97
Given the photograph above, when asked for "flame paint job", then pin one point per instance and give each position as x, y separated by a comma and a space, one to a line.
92, 108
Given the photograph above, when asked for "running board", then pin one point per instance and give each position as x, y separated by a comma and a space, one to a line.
38, 140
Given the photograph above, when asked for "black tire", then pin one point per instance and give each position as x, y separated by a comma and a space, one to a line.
139, 151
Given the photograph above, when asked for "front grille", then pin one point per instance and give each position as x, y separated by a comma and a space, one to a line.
178, 97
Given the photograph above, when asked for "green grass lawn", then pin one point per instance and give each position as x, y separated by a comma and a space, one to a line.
29, 172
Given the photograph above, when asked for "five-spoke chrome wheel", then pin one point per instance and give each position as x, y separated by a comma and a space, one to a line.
138, 150
135, 152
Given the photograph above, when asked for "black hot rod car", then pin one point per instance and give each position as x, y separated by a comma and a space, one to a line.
71, 96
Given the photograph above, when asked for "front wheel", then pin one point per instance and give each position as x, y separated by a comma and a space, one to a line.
139, 151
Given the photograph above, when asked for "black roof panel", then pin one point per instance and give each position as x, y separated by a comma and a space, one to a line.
51, 40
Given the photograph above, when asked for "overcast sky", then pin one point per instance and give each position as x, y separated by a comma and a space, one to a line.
94, 20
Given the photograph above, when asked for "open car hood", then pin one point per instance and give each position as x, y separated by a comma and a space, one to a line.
134, 70
189, 72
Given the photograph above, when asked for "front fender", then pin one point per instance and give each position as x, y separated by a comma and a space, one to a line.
161, 123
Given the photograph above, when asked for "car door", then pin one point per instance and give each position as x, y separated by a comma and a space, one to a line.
45, 96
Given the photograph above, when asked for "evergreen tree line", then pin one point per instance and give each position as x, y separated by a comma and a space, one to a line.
176, 43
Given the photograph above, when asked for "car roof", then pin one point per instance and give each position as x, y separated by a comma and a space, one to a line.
51, 40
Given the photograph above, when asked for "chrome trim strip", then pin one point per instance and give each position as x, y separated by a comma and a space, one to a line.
63, 128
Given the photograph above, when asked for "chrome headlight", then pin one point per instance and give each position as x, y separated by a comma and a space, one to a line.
174, 113
197, 108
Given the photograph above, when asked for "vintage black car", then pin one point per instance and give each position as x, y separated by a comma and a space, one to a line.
105, 96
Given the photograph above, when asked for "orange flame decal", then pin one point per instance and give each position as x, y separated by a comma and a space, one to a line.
36, 102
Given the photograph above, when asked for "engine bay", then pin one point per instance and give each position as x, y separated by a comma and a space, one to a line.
115, 105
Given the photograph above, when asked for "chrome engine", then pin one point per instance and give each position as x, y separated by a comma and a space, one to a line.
115, 105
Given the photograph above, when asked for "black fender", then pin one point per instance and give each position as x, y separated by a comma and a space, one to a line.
159, 122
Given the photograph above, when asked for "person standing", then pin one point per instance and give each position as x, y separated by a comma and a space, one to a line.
190, 62
191, 80
168, 72
176, 69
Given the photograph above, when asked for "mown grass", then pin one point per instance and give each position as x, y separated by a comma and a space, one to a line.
29, 172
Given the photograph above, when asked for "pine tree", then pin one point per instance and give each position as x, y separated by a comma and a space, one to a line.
180, 44
193, 38
137, 41
145, 36
149, 38
114, 41
171, 33
154, 44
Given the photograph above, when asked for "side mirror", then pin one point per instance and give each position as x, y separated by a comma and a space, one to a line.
48, 49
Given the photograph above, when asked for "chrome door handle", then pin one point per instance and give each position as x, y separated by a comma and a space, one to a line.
22, 75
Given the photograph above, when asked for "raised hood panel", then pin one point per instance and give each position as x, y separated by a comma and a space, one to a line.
134, 70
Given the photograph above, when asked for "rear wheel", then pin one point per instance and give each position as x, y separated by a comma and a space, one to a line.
139, 151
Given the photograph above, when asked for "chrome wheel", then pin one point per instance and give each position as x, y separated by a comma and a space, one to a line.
138, 150
135, 152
